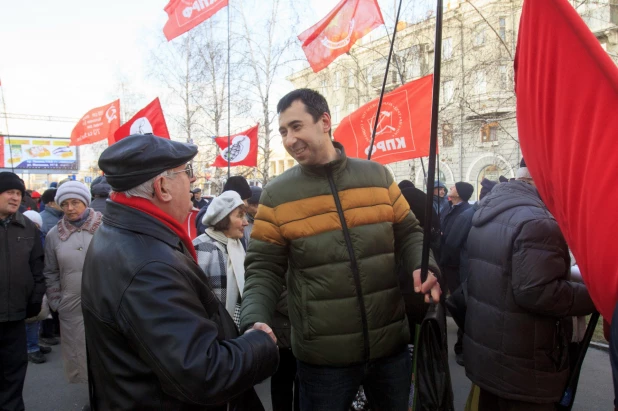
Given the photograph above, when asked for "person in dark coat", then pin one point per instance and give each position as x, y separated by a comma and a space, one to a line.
440, 202
459, 195
455, 245
21, 288
100, 192
52, 213
157, 336
518, 326
198, 201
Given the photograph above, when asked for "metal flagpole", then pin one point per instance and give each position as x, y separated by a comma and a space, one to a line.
433, 141
6, 119
388, 64
229, 97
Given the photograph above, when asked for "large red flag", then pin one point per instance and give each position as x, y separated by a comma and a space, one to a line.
567, 115
403, 126
150, 119
336, 33
98, 124
186, 14
243, 150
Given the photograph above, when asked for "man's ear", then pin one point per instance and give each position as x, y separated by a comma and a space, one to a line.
326, 122
161, 189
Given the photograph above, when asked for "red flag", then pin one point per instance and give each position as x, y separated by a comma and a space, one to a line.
243, 151
97, 124
186, 14
150, 119
567, 115
403, 126
336, 33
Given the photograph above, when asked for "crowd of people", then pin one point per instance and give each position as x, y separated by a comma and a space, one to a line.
290, 296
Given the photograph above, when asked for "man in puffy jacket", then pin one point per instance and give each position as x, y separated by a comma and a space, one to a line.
52, 213
518, 324
22, 286
334, 225
157, 337
100, 192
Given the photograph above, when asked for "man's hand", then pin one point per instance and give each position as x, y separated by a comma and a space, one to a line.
429, 287
265, 328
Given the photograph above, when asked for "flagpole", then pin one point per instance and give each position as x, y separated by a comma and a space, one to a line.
433, 140
229, 97
6, 121
388, 63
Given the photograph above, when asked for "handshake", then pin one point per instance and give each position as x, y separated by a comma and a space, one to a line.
265, 328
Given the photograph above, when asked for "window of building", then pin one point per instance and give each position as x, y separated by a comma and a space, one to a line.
351, 78
336, 115
413, 65
447, 135
480, 83
479, 36
323, 87
447, 91
447, 49
489, 132
502, 28
351, 108
369, 75
504, 77
337, 80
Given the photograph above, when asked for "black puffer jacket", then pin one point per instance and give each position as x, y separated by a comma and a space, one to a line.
22, 284
158, 339
100, 192
517, 325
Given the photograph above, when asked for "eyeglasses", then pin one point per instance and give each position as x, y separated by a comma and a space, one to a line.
70, 203
188, 169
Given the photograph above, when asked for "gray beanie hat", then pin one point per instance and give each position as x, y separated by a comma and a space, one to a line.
221, 206
73, 189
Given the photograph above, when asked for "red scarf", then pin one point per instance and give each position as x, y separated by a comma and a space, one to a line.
147, 207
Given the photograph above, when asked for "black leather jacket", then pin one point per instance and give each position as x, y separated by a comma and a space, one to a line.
157, 337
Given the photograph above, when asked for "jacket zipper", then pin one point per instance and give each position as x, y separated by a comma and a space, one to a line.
8, 273
353, 263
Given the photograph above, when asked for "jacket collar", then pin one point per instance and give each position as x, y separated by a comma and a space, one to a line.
54, 212
65, 228
131, 219
335, 166
18, 219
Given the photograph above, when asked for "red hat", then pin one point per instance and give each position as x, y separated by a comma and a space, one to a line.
35, 194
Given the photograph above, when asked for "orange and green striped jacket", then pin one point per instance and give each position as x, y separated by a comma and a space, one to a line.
339, 230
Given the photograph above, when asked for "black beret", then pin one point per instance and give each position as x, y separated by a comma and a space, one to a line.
140, 157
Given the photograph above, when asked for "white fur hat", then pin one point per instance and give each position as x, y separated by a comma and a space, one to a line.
34, 217
221, 206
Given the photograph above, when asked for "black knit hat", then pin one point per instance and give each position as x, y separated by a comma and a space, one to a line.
11, 181
486, 187
49, 195
464, 190
405, 184
240, 185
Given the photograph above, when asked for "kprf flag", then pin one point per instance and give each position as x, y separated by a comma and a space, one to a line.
183, 15
149, 120
242, 150
98, 124
336, 33
567, 116
403, 127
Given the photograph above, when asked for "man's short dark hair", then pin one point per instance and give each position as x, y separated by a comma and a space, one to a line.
48, 196
315, 103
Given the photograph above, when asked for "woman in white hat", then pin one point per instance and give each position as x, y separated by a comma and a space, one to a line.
220, 251
65, 251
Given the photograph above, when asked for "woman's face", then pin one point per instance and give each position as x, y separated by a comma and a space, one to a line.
73, 208
238, 222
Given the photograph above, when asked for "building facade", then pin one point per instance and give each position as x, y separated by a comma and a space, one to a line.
478, 135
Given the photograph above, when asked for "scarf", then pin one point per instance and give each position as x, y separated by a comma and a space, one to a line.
82, 218
89, 224
235, 271
149, 208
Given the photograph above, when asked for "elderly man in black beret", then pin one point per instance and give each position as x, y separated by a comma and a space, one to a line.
157, 337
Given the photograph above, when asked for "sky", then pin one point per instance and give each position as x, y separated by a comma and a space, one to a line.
64, 57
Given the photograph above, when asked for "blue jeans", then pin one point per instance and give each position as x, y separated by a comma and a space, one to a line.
386, 382
32, 337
